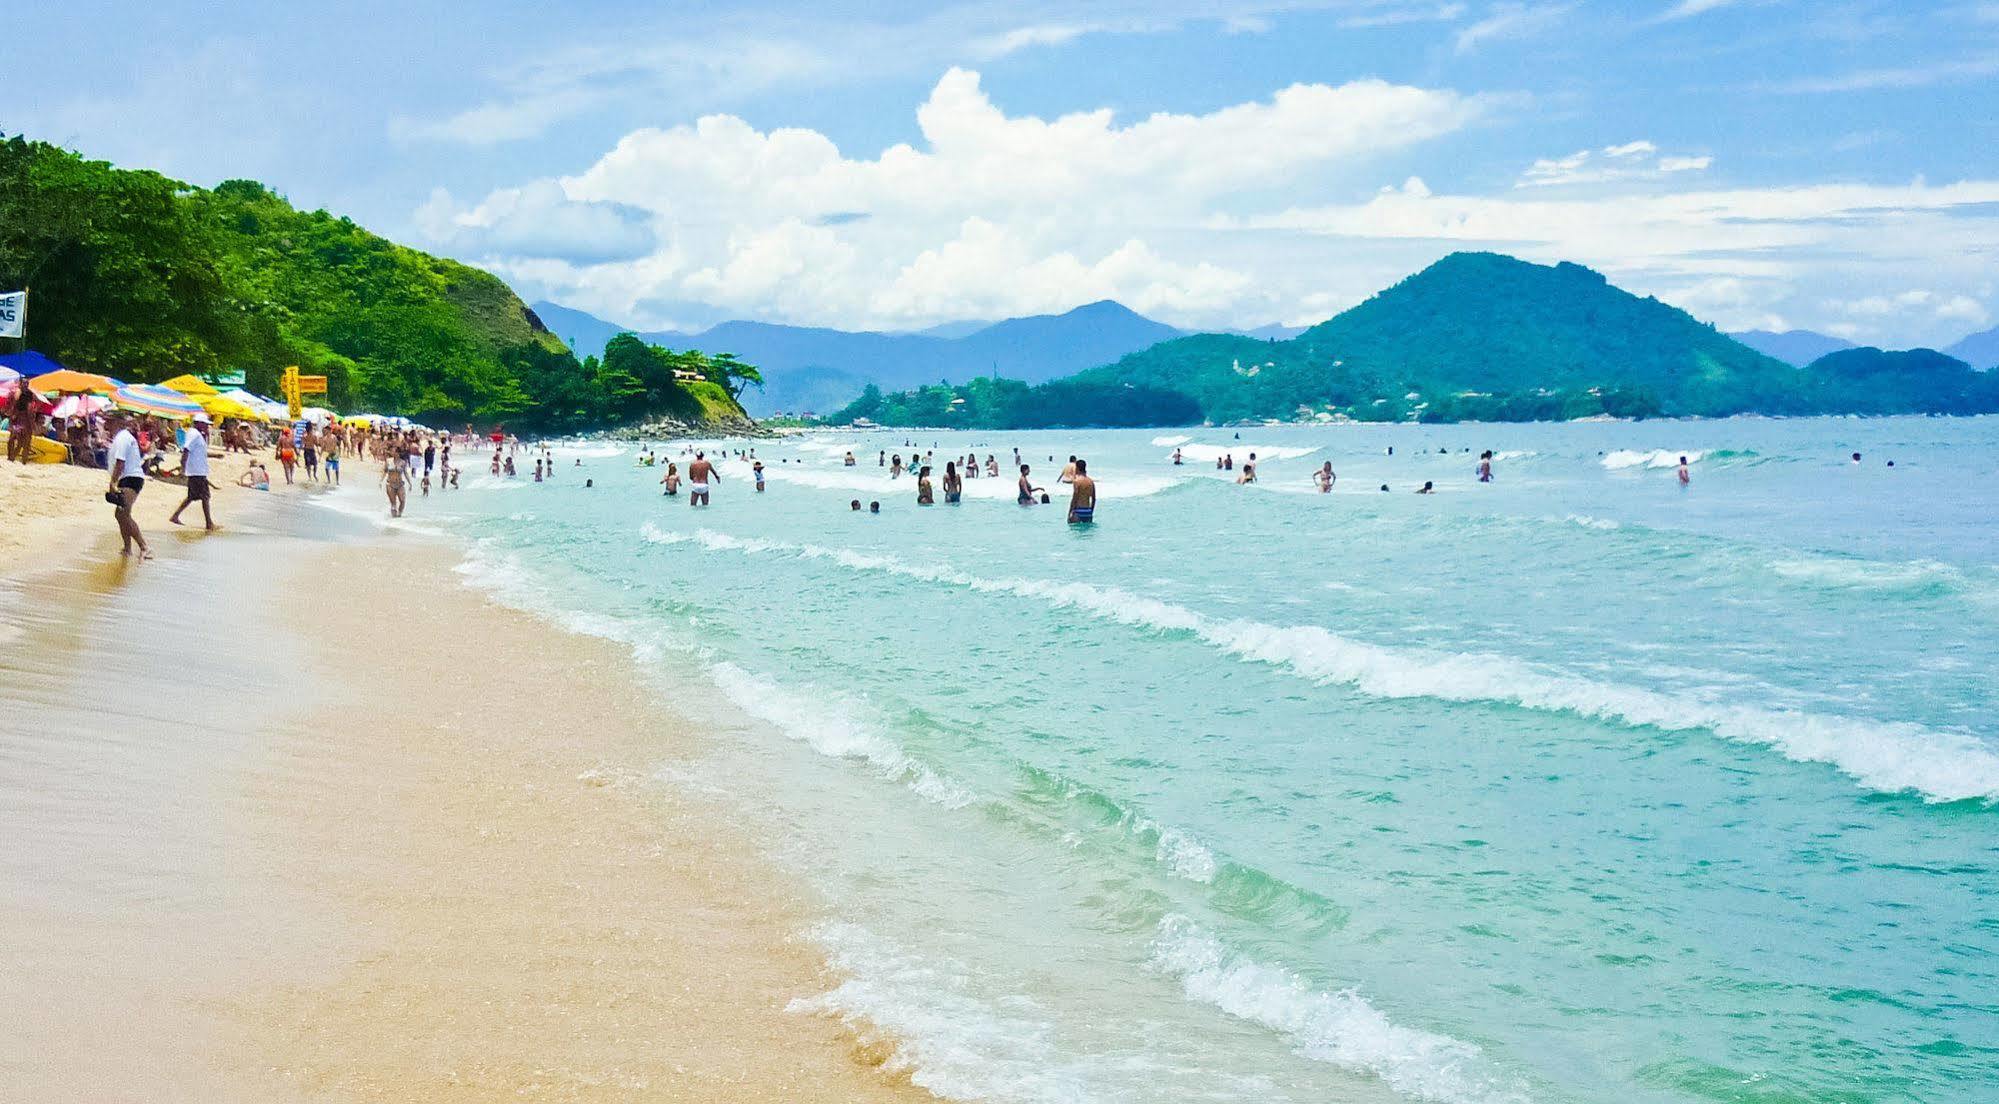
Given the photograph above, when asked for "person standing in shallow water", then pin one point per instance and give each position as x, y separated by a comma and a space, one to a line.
1685, 476
1026, 489
1082, 495
923, 492
699, 473
954, 487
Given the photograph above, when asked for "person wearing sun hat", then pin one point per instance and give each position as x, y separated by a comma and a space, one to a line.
194, 465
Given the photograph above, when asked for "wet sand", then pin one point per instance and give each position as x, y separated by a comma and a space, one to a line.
374, 839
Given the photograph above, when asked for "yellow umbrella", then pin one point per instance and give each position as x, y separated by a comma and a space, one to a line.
189, 385
220, 407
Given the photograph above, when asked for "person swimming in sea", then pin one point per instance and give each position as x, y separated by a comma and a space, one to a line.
1248, 473
1427, 488
849, 462
895, 467
1082, 496
1068, 472
875, 507
855, 505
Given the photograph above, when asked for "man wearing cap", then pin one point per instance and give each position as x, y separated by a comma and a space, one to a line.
194, 465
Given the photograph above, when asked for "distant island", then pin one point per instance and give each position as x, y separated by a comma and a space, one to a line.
144, 278
1473, 337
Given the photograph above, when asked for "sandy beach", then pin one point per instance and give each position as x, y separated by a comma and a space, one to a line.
372, 839
47, 508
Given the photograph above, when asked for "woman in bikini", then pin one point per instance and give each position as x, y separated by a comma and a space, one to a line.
393, 468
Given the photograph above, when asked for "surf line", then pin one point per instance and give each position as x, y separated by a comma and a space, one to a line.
1887, 756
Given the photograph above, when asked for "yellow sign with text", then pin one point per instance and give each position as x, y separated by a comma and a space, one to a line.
288, 383
312, 385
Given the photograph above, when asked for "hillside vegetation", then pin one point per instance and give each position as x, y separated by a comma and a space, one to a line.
143, 277
1482, 336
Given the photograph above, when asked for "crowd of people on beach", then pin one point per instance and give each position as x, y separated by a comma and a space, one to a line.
132, 448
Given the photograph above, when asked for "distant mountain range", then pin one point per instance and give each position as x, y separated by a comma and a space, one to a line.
1980, 350
1475, 336
1796, 348
811, 368
1802, 347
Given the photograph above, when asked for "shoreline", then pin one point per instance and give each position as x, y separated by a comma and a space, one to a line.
49, 509
438, 871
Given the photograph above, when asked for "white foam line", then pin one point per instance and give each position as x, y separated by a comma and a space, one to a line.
827, 728
1340, 1028
1889, 756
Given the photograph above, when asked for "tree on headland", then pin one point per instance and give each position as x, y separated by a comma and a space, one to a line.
142, 277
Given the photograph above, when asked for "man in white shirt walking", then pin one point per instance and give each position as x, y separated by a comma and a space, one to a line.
194, 465
127, 480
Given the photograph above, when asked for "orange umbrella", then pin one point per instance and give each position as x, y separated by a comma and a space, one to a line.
65, 381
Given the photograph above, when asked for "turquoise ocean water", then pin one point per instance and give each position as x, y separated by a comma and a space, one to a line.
1576, 786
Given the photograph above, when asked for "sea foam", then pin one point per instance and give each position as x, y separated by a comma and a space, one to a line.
1340, 1028
1889, 756
1655, 458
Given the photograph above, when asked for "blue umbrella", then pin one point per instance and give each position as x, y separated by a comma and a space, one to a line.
30, 363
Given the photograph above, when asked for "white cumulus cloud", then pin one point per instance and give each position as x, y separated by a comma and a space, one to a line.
990, 213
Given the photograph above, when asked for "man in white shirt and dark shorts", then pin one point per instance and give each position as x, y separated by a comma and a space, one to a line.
194, 465
127, 480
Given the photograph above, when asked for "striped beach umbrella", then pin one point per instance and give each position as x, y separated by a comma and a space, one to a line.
141, 398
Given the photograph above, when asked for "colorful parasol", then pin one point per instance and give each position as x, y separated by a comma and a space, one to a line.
141, 398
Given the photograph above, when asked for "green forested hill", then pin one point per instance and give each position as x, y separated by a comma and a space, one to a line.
1878, 382
144, 278
1489, 337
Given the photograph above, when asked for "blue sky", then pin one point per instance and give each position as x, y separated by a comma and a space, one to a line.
1760, 162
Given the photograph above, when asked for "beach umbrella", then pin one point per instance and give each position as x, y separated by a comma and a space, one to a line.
189, 385
9, 380
64, 381
29, 363
158, 401
73, 406
221, 406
